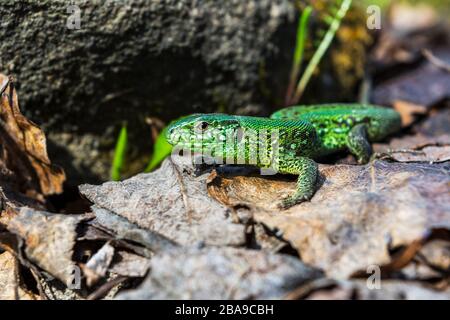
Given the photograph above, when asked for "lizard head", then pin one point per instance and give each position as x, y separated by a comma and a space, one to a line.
200, 131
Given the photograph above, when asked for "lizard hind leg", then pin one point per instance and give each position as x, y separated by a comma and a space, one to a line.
306, 169
358, 143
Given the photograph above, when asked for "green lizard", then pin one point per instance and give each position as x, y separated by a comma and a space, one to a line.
289, 140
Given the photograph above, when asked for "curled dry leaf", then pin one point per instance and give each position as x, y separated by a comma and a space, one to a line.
98, 264
24, 148
49, 240
356, 216
221, 273
171, 201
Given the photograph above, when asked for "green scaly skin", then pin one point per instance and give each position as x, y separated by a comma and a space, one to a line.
304, 133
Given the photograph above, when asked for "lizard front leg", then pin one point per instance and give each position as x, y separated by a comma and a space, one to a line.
358, 144
306, 169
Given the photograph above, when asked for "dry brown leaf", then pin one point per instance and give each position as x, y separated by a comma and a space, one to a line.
388, 290
357, 214
437, 122
49, 240
11, 201
416, 271
437, 254
129, 265
171, 201
10, 278
425, 154
429, 142
418, 141
431, 262
266, 241
221, 273
416, 148
123, 229
24, 149
408, 111
425, 85
98, 264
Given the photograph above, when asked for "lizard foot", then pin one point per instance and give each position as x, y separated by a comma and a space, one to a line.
292, 201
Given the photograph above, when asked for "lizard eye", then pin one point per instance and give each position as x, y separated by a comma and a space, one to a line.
202, 125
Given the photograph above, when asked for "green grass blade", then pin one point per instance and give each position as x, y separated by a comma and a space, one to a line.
301, 35
119, 154
161, 149
325, 43
299, 50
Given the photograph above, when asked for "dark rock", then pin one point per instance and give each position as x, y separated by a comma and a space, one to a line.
134, 58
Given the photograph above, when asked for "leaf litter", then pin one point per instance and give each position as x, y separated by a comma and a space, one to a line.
190, 232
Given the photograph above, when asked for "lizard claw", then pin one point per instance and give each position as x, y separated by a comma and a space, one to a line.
378, 156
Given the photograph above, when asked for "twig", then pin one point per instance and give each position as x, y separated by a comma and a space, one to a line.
37, 278
310, 287
364, 92
104, 289
435, 60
